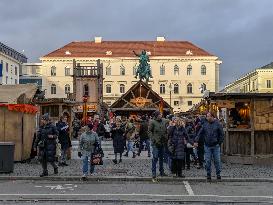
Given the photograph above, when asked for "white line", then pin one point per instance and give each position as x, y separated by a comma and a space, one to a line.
188, 188
149, 195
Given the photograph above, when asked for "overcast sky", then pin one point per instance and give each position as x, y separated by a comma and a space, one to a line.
240, 32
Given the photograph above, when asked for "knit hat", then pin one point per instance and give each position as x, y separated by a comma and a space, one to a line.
45, 117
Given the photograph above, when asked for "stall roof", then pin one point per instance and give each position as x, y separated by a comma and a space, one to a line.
237, 95
17, 94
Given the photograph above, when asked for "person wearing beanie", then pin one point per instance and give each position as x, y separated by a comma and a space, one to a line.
87, 143
158, 134
46, 144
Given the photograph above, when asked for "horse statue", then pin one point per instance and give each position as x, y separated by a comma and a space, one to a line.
144, 69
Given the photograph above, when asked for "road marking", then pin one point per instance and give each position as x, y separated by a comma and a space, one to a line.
188, 188
148, 195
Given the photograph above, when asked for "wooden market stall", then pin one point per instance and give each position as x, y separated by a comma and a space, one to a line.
17, 118
248, 124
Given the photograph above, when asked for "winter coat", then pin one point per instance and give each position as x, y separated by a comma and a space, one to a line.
130, 131
190, 132
143, 130
87, 143
63, 130
158, 132
100, 129
176, 143
119, 140
47, 146
212, 132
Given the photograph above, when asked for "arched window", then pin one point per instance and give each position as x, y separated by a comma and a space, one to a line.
108, 70
176, 70
122, 88
176, 88
108, 88
67, 89
53, 71
162, 70
67, 71
122, 70
189, 88
189, 70
85, 90
53, 89
162, 88
203, 70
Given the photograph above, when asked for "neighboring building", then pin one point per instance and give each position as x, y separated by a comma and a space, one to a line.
258, 81
31, 73
10, 63
177, 66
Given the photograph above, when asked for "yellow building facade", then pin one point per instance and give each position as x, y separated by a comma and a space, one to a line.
258, 81
179, 69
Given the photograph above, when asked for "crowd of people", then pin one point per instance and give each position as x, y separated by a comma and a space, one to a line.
178, 142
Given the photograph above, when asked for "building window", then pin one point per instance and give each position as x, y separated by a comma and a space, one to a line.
122, 88
162, 70
268, 83
122, 70
108, 70
162, 89
108, 88
108, 103
67, 89
134, 70
67, 71
7, 67
86, 90
53, 89
203, 70
176, 70
53, 71
15, 70
253, 85
189, 70
189, 103
176, 89
176, 103
189, 88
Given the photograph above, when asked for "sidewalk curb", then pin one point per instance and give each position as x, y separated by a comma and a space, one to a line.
129, 179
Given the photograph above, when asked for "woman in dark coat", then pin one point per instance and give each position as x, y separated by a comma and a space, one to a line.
118, 140
46, 143
176, 144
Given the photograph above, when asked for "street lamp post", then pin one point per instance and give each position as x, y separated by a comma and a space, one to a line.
84, 99
170, 86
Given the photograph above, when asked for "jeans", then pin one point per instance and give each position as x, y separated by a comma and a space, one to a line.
147, 142
130, 146
63, 155
85, 166
158, 153
213, 152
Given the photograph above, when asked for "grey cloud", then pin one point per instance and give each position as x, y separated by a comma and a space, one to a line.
238, 31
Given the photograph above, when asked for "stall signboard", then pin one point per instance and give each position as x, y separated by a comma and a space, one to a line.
90, 108
225, 103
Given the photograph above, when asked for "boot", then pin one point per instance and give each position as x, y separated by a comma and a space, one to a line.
45, 173
134, 155
126, 154
115, 161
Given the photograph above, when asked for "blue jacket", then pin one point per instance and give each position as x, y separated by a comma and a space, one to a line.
176, 142
212, 132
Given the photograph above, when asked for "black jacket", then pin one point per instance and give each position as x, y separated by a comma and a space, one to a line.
48, 151
143, 130
118, 139
63, 130
212, 132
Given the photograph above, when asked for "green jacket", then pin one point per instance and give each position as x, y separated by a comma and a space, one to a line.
158, 132
87, 143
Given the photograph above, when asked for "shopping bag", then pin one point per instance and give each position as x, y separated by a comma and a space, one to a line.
97, 157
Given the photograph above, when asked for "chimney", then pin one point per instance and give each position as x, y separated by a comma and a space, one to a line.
160, 39
98, 39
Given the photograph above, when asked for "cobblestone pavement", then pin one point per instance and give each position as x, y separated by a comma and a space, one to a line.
140, 166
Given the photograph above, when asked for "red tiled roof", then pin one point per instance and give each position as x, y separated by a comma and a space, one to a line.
125, 48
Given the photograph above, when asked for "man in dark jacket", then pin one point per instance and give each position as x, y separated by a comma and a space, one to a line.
213, 134
158, 135
64, 139
189, 146
144, 137
46, 142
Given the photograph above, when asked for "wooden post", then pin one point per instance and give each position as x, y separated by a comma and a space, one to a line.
227, 132
252, 140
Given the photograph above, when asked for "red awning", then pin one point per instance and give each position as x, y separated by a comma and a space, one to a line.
26, 108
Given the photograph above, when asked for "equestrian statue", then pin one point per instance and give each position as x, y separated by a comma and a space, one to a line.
144, 68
